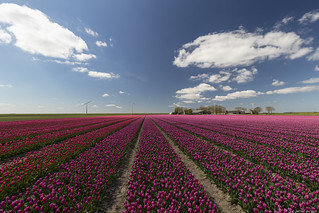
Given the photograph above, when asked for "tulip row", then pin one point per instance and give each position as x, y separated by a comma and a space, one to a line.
289, 127
301, 169
254, 127
10, 131
13, 148
159, 180
16, 174
80, 185
254, 136
249, 184
260, 130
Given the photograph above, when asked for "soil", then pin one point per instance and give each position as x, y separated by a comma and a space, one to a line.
116, 193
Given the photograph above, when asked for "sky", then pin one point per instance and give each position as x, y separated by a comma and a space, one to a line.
154, 55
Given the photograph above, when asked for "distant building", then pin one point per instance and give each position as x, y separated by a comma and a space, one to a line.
198, 112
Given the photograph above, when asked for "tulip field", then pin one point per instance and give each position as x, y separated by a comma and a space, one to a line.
262, 163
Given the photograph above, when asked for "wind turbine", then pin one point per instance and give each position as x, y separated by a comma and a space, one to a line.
86, 106
132, 106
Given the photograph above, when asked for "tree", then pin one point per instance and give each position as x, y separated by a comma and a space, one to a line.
206, 109
189, 111
240, 109
217, 109
269, 109
258, 110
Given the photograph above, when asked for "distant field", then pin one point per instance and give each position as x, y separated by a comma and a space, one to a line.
19, 117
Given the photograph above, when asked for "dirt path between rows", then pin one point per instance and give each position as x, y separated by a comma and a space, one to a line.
220, 198
116, 194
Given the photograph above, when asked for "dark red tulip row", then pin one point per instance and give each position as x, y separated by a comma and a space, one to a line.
250, 185
20, 172
80, 185
13, 148
160, 182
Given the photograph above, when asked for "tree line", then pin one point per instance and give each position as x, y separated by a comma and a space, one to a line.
218, 109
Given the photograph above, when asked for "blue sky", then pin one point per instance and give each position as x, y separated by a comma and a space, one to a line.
56, 55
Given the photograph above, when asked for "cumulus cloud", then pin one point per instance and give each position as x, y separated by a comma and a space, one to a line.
6, 85
226, 88
113, 105
195, 93
105, 95
238, 94
278, 83
317, 68
290, 90
101, 44
311, 81
80, 69
121, 92
309, 17
91, 32
103, 75
5, 37
240, 48
83, 57
244, 75
36, 34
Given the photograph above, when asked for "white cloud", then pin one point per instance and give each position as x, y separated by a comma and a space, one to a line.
80, 69
95, 106
103, 75
91, 32
287, 19
283, 22
113, 105
310, 17
226, 88
195, 93
36, 34
67, 62
290, 90
218, 78
199, 77
278, 83
214, 78
4, 37
101, 44
105, 95
314, 56
6, 85
317, 68
238, 94
240, 48
244, 75
121, 92
83, 57
311, 81
111, 41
